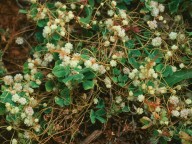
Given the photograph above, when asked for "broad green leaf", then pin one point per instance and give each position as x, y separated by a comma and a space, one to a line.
34, 84
2, 109
87, 19
126, 109
49, 85
146, 121
88, 85
174, 5
59, 101
100, 112
76, 77
6, 97
65, 94
42, 22
92, 117
60, 71
56, 36
100, 104
102, 120
178, 77
23, 11
130, 44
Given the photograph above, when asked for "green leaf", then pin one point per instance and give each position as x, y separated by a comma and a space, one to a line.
116, 71
34, 84
87, 19
49, 85
2, 109
126, 109
56, 36
88, 85
165, 70
174, 5
6, 97
102, 120
65, 94
130, 44
60, 71
178, 77
76, 77
39, 75
88, 74
146, 121
91, 3
133, 62
92, 116
100, 112
23, 11
59, 101
42, 22
100, 104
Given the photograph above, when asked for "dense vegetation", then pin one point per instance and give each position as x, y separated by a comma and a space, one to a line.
121, 70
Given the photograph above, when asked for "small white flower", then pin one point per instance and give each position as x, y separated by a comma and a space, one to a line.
88, 63
169, 53
184, 113
139, 111
22, 101
46, 31
19, 40
69, 46
113, 3
15, 98
174, 47
141, 98
174, 100
9, 128
8, 80
110, 12
17, 87
175, 113
113, 63
130, 93
156, 41
14, 141
181, 65
126, 70
125, 22
106, 43
152, 24
153, 4
73, 6
174, 68
118, 99
155, 12
29, 111
95, 100
157, 109
188, 101
161, 7
95, 67
173, 35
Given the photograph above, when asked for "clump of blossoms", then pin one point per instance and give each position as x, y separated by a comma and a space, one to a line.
99, 60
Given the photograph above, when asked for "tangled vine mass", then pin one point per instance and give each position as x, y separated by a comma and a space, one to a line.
123, 68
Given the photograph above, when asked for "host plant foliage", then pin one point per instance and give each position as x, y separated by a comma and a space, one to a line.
95, 59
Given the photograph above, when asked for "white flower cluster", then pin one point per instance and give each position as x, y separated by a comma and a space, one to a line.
156, 8
107, 82
152, 24
19, 40
156, 41
56, 24
118, 30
